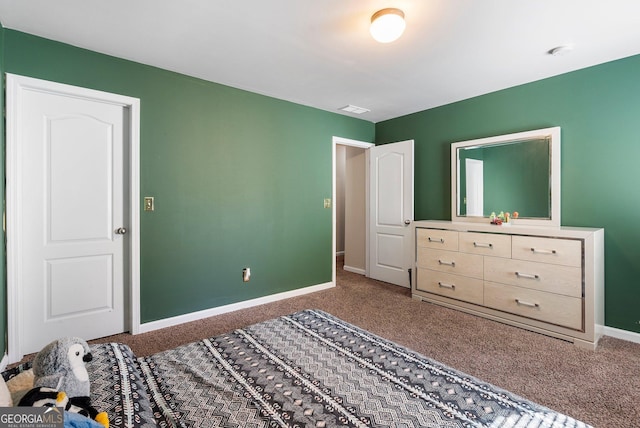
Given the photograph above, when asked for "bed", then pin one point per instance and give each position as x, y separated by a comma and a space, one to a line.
308, 369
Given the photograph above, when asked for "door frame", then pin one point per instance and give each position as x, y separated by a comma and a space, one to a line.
15, 84
354, 143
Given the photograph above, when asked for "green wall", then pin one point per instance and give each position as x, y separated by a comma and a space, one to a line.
598, 109
238, 179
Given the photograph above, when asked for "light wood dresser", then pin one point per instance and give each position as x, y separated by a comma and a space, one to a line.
549, 280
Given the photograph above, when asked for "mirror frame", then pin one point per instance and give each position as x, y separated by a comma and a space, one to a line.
554, 179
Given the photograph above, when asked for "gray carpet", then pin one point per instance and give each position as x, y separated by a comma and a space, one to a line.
599, 387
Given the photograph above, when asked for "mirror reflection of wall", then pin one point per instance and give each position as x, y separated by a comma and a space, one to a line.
513, 176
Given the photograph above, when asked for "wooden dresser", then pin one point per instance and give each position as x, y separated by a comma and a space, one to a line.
549, 280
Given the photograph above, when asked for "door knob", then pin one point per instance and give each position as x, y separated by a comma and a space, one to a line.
121, 231
407, 222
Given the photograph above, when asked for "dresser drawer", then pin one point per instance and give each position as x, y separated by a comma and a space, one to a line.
566, 252
450, 262
552, 308
487, 244
565, 280
449, 285
436, 238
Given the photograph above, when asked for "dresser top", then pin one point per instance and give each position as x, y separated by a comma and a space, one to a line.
512, 229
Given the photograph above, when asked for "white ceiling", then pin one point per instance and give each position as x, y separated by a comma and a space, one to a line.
319, 52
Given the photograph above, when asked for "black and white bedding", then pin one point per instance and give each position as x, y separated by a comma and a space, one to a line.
308, 369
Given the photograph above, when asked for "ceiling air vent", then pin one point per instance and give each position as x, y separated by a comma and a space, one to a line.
354, 109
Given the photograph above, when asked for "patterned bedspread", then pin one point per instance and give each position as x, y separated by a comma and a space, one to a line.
309, 369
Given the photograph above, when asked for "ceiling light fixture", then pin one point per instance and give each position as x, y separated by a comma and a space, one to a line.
387, 25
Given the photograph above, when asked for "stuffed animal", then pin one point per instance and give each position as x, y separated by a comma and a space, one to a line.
44, 397
61, 366
48, 397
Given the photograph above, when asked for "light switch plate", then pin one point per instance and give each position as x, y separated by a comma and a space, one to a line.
149, 203
327, 203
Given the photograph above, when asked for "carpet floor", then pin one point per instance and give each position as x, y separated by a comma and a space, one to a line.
600, 387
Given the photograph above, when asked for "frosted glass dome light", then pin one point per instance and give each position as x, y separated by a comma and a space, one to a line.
387, 25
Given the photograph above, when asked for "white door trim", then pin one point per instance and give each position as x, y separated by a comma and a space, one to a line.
16, 84
354, 143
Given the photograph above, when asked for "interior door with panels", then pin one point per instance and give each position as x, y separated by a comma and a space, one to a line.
391, 212
70, 215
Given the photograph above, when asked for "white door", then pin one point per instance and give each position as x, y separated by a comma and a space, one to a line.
475, 187
391, 212
70, 202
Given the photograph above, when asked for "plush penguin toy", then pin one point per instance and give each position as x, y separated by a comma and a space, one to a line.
44, 397
61, 366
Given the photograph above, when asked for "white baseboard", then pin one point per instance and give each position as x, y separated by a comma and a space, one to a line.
194, 316
354, 270
629, 336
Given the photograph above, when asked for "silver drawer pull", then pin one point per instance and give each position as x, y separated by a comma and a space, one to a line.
482, 245
527, 275
445, 285
523, 303
435, 240
536, 250
444, 262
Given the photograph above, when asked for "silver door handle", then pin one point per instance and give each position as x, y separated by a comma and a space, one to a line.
121, 231
407, 222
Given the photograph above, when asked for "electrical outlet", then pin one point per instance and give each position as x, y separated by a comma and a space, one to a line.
246, 274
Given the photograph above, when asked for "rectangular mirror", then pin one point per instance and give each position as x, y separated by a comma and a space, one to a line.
510, 173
